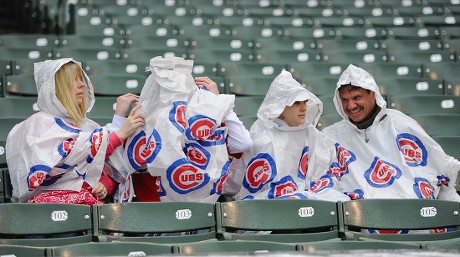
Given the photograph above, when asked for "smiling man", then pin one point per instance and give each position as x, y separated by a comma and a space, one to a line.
389, 155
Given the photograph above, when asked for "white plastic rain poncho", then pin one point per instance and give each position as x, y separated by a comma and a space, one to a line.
48, 152
182, 142
284, 161
392, 158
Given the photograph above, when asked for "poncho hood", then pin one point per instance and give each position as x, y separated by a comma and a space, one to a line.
44, 74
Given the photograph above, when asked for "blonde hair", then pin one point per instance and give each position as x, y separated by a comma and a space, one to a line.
65, 79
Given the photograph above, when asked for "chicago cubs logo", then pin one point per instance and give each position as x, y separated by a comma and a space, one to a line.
36, 176
443, 180
413, 150
66, 125
344, 158
201, 127
95, 139
322, 183
303, 164
381, 173
356, 194
142, 150
177, 115
65, 147
218, 138
197, 155
218, 186
423, 188
261, 170
284, 186
183, 177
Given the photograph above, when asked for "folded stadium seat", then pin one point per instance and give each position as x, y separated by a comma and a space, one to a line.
287, 21
22, 66
29, 40
117, 84
439, 20
110, 249
250, 86
247, 105
412, 214
287, 56
450, 145
21, 85
26, 53
369, 57
422, 58
115, 67
369, 10
319, 85
235, 69
340, 21
363, 33
393, 85
144, 54
391, 21
320, 69
238, 20
393, 69
6, 67
82, 53
256, 31
446, 71
45, 224
327, 120
308, 33
205, 30
414, 32
92, 41
439, 124
240, 247
414, 45
22, 251
293, 221
161, 222
451, 31
104, 108
18, 107
425, 104
102, 29
316, 11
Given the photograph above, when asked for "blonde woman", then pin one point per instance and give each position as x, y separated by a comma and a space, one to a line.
57, 154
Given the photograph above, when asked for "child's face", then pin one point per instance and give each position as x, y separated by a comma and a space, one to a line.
79, 89
295, 115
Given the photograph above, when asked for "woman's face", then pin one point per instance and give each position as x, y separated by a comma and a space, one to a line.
79, 89
295, 115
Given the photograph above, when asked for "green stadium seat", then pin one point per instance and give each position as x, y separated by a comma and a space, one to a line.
29, 40
334, 45
405, 214
117, 84
414, 33
439, 124
391, 21
362, 33
340, 21
309, 33
450, 145
22, 251
92, 42
155, 222
425, 104
357, 57
358, 247
88, 53
241, 247
18, 107
165, 43
250, 86
390, 86
44, 224
394, 69
110, 249
294, 220
447, 72
21, 85
104, 107
146, 53
222, 55
305, 71
116, 67
247, 105
26, 53
320, 86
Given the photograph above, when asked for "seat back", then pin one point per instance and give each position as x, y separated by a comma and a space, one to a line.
289, 221
110, 249
166, 222
44, 224
402, 214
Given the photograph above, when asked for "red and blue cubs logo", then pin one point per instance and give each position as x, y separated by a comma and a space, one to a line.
37, 176
197, 155
303, 164
65, 147
218, 138
413, 150
322, 183
381, 173
177, 115
388, 231
443, 180
260, 171
95, 139
142, 150
423, 188
357, 194
200, 127
218, 186
184, 177
344, 158
66, 125
284, 186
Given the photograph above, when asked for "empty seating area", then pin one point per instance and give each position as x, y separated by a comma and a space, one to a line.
411, 47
